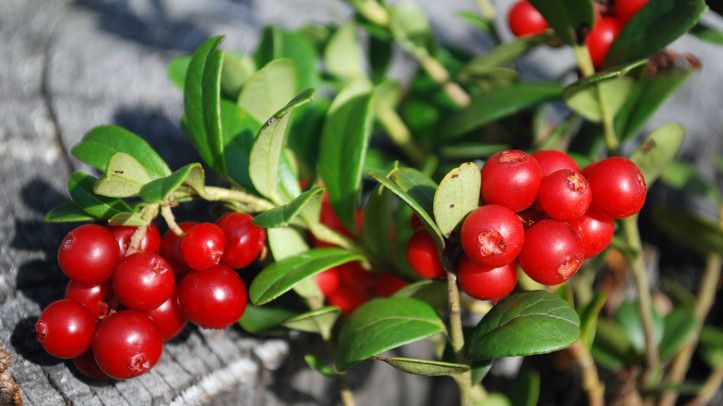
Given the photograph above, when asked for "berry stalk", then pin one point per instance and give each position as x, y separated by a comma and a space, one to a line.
464, 381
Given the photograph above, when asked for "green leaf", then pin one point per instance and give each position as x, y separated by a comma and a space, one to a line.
143, 217
668, 19
471, 150
611, 347
589, 317
628, 315
286, 242
343, 146
279, 277
383, 324
177, 70
319, 321
457, 195
201, 98
161, 189
567, 18
432, 292
294, 45
239, 131
68, 212
526, 389
604, 76
343, 53
501, 55
698, 233
100, 144
269, 89
679, 325
267, 149
235, 71
707, 33
282, 215
658, 150
684, 176
711, 344
413, 203
418, 185
378, 222
319, 366
80, 187
124, 177
257, 320
586, 101
425, 367
499, 103
526, 323
410, 26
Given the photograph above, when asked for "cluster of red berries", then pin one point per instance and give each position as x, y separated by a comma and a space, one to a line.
524, 19
540, 212
349, 286
123, 302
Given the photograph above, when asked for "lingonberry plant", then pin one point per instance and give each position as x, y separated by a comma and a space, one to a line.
474, 203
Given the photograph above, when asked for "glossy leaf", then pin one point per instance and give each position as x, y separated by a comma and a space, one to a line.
383, 324
177, 69
628, 315
425, 367
657, 150
457, 195
239, 131
586, 102
568, 18
201, 98
667, 19
679, 326
100, 144
68, 212
282, 215
124, 177
604, 76
281, 276
499, 103
256, 96
319, 366
432, 292
286, 242
80, 187
267, 149
502, 54
378, 222
263, 319
526, 389
235, 71
343, 53
319, 321
700, 234
684, 176
343, 146
161, 189
277, 43
526, 323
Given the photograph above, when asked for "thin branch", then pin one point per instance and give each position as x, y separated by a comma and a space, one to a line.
464, 381
170, 219
590, 380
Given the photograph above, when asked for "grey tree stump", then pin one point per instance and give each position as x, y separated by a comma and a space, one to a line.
68, 66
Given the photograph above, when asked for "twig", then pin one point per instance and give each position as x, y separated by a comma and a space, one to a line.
213, 193
590, 380
134, 245
464, 381
401, 136
167, 215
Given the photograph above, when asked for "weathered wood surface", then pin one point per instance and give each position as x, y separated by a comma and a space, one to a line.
68, 66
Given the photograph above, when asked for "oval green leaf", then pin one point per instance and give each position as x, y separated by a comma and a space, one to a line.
684, 176
177, 68
234, 72
257, 96
281, 276
68, 212
525, 323
569, 19
80, 187
657, 150
457, 195
100, 144
586, 100
282, 215
425, 367
161, 189
383, 324
124, 177
679, 325
432, 292
319, 321
628, 316
264, 319
378, 222
343, 53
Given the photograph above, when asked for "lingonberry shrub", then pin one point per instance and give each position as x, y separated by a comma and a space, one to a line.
365, 277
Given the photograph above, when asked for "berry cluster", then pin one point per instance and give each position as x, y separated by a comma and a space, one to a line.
126, 298
349, 286
540, 212
524, 19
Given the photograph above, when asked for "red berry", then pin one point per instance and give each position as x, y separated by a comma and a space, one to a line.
492, 235
347, 298
565, 195
387, 284
552, 161
603, 34
552, 252
65, 329
618, 188
127, 344
595, 232
88, 254
143, 281
150, 242
511, 179
423, 257
328, 281
95, 297
244, 239
86, 365
169, 317
524, 19
486, 283
354, 275
202, 246
626, 9
588, 170
170, 248
214, 298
